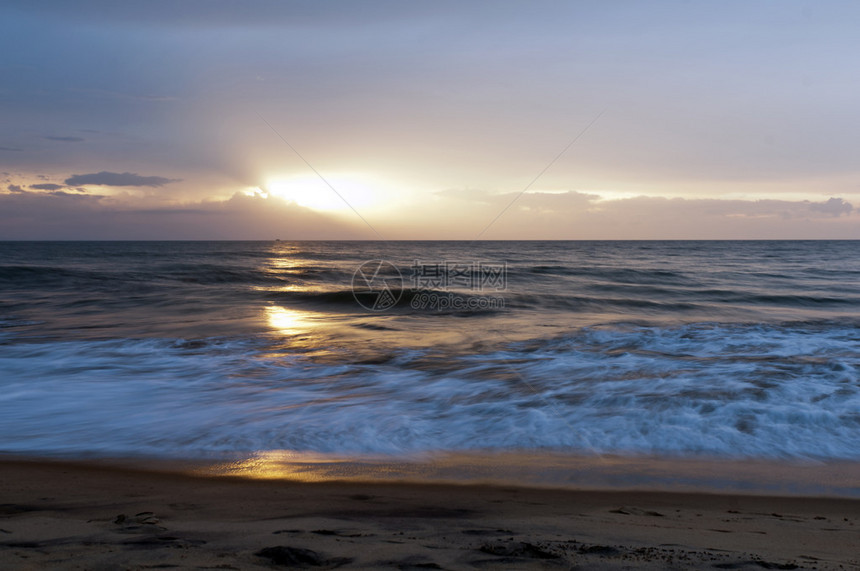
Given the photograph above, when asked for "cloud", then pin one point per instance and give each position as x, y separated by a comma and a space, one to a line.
63, 215
461, 215
105, 178
66, 214
564, 201
66, 139
833, 207
69, 194
46, 186
11, 149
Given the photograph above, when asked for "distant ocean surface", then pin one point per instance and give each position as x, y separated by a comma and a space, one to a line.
218, 349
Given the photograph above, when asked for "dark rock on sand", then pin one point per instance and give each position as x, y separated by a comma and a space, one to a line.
298, 557
283, 555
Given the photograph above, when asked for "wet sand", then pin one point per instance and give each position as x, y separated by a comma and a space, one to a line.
79, 516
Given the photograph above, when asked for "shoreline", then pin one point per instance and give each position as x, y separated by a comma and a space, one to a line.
526, 469
95, 515
564, 472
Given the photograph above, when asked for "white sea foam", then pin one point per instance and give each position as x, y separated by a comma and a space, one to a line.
768, 391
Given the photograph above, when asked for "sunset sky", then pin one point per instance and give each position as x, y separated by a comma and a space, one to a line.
174, 120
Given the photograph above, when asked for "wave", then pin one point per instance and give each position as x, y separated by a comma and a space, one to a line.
29, 275
620, 275
210, 274
581, 303
735, 390
25, 277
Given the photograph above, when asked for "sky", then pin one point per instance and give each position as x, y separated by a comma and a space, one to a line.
207, 119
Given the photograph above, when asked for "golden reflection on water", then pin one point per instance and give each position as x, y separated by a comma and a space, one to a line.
318, 467
291, 321
786, 477
306, 332
274, 465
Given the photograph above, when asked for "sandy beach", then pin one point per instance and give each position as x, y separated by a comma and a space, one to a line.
77, 516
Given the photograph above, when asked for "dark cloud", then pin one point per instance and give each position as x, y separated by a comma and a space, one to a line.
66, 139
15, 188
105, 178
46, 186
11, 149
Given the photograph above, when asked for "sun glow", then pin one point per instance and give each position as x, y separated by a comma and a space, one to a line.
312, 192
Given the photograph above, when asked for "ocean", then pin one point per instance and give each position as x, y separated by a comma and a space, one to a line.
746, 350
